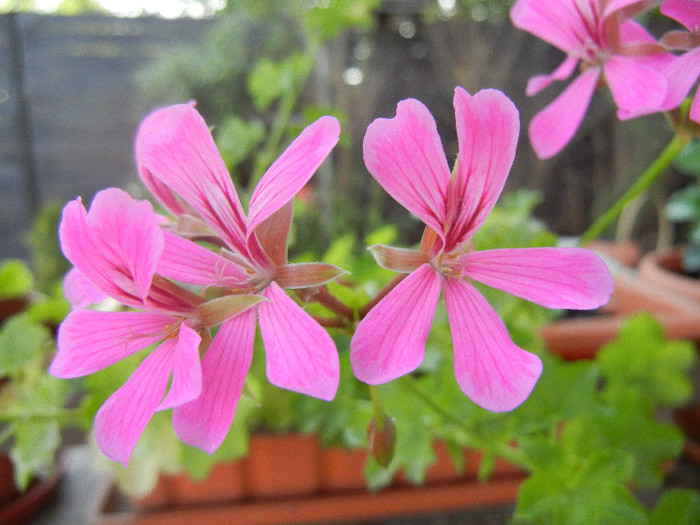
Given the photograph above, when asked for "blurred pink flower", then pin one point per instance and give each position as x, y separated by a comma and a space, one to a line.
178, 160
405, 156
117, 248
684, 71
598, 36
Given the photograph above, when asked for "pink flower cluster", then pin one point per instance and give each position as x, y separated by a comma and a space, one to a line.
601, 38
197, 282
122, 249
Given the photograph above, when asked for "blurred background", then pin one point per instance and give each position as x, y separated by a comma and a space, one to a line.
77, 76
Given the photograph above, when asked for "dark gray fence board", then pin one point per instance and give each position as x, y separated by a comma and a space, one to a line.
83, 106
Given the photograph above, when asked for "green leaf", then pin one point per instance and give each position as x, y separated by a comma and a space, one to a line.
677, 506
580, 489
270, 80
237, 138
327, 19
684, 205
34, 449
643, 359
16, 279
21, 342
688, 161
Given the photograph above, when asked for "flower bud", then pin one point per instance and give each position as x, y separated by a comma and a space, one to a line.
382, 440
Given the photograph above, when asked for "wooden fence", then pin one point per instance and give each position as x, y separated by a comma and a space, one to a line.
69, 106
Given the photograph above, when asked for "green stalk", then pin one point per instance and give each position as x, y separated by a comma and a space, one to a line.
60, 414
653, 172
379, 416
507, 452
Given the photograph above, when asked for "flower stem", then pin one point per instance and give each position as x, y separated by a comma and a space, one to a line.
508, 452
330, 301
381, 294
60, 414
647, 178
411, 384
379, 416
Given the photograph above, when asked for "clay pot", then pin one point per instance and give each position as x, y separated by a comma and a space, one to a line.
581, 337
16, 507
318, 485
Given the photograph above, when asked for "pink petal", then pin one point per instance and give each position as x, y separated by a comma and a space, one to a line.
490, 369
80, 290
553, 277
205, 422
120, 422
634, 85
694, 113
390, 341
116, 245
553, 127
687, 12
540, 82
188, 262
405, 156
682, 74
292, 170
163, 193
559, 22
300, 354
611, 6
487, 130
89, 340
187, 371
175, 146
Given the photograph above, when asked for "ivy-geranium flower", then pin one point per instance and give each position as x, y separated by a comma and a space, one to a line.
599, 37
684, 71
120, 251
405, 156
179, 162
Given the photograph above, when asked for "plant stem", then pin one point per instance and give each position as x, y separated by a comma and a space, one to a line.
5, 435
324, 297
647, 178
411, 384
381, 294
379, 417
63, 414
508, 452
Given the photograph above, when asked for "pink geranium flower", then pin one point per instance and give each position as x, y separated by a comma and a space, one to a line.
405, 156
117, 249
178, 160
598, 36
684, 71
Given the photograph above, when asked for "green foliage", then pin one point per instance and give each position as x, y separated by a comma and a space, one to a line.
237, 138
325, 20
641, 357
684, 205
48, 263
609, 436
677, 506
32, 403
22, 342
271, 80
16, 279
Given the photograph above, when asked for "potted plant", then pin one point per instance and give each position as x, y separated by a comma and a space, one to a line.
33, 405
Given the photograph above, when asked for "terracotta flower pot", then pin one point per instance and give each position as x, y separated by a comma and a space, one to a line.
581, 337
296, 455
225, 482
17, 507
309, 493
343, 469
664, 269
